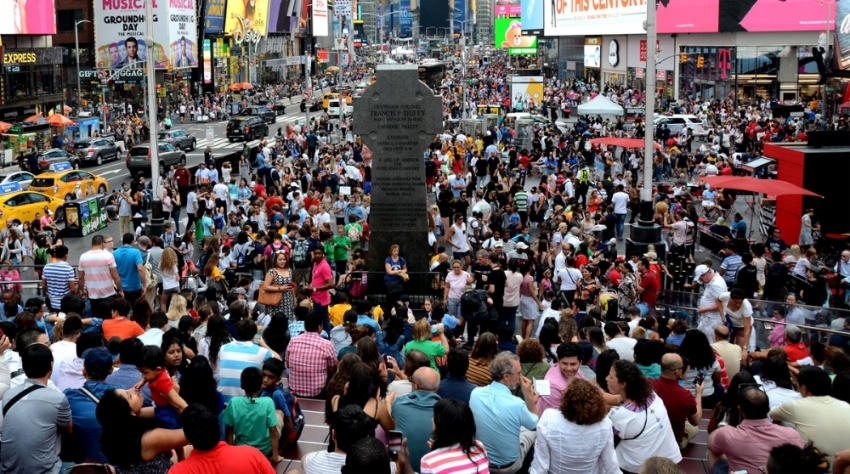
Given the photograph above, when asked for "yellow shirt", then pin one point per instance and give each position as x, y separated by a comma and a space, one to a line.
336, 312
378, 313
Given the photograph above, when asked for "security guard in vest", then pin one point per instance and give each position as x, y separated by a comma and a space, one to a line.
583, 179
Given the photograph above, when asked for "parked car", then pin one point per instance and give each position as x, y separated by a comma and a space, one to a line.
139, 157
335, 108
264, 113
180, 139
96, 150
314, 105
279, 107
23, 178
246, 127
55, 155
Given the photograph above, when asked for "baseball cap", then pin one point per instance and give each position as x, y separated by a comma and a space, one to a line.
521, 246
240, 291
97, 360
700, 271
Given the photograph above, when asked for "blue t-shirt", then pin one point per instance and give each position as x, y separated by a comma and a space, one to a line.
394, 265
207, 222
127, 260
279, 398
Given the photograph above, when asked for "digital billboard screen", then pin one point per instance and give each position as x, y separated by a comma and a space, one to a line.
532, 16
508, 35
755, 16
593, 17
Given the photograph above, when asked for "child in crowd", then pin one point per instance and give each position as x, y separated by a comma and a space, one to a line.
251, 420
290, 421
165, 392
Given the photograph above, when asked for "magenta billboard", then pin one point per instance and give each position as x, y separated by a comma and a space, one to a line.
755, 16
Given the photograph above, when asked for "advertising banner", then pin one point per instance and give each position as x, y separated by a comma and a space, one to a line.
181, 32
664, 49
460, 16
526, 88
214, 17
842, 35
532, 17
246, 20
33, 17
594, 17
592, 55
320, 17
405, 19
508, 34
120, 34
342, 8
280, 12
687, 16
758, 16
207, 62
511, 8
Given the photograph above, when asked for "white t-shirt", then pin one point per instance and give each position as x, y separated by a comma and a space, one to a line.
713, 290
737, 317
625, 347
170, 279
621, 202
221, 191
569, 277
643, 434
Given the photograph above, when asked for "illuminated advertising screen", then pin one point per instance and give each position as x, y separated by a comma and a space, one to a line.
508, 34
33, 17
526, 88
592, 55
214, 17
757, 16
280, 11
511, 8
593, 17
320, 17
246, 20
532, 16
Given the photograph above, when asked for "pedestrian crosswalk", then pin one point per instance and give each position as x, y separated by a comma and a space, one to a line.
222, 143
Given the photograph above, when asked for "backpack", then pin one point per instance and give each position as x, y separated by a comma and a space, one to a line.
244, 255
299, 252
40, 256
354, 233
473, 305
150, 275
259, 252
612, 311
298, 420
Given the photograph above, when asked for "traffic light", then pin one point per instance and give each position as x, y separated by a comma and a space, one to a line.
700, 61
684, 58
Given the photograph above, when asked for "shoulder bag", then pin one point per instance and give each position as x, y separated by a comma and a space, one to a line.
270, 298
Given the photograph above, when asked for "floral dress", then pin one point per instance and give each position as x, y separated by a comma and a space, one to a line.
627, 295
287, 302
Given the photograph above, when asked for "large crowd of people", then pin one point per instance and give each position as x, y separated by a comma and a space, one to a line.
188, 351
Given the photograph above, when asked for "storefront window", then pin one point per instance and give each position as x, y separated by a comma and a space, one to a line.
33, 81
19, 84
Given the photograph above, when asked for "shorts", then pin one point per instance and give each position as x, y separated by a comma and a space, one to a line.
171, 291
460, 255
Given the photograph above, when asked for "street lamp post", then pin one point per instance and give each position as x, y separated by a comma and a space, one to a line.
157, 219
77, 43
463, 62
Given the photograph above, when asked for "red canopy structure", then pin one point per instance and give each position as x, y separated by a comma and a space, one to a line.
622, 142
771, 187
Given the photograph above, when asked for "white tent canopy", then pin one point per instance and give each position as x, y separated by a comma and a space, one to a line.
600, 105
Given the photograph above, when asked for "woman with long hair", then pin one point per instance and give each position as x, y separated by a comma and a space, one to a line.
483, 352
170, 274
132, 443
702, 361
367, 349
641, 421
550, 340
453, 447
363, 391
390, 340
141, 314
776, 379
726, 410
198, 385
176, 310
576, 438
337, 384
567, 327
217, 336
279, 280
604, 362
215, 279
187, 247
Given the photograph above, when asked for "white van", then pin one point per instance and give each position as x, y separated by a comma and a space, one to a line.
678, 123
335, 106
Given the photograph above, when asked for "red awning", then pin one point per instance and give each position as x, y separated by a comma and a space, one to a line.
771, 187
623, 142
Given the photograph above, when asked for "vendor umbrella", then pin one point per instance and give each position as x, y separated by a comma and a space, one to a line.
67, 109
36, 119
623, 142
59, 120
771, 187
4, 127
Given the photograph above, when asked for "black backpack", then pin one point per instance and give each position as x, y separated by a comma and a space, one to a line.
473, 305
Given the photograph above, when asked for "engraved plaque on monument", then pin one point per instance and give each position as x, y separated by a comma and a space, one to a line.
398, 117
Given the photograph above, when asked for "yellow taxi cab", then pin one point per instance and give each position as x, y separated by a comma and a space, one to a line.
67, 183
329, 96
24, 205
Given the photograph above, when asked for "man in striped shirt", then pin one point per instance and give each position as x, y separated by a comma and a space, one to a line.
99, 277
58, 278
521, 203
236, 356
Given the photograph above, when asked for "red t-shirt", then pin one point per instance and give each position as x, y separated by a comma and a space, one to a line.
650, 289
160, 388
271, 202
224, 458
678, 401
796, 351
